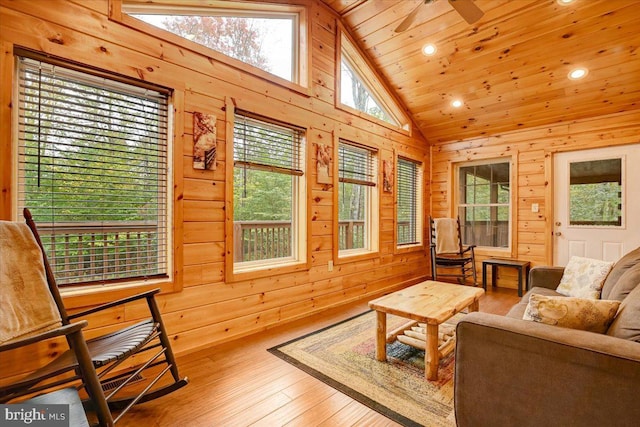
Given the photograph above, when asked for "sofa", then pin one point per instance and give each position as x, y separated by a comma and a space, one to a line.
515, 372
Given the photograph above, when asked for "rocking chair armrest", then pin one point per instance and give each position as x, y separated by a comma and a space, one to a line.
59, 331
148, 294
469, 248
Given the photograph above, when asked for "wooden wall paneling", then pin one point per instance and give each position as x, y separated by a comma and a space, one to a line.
203, 210
203, 274
6, 146
203, 253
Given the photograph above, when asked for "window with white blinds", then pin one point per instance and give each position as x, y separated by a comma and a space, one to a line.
357, 198
409, 202
92, 169
268, 191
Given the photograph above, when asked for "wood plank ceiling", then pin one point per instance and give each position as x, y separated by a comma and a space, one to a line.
510, 68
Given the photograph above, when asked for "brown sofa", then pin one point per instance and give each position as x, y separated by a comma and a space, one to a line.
512, 372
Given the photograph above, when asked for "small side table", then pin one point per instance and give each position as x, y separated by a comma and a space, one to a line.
522, 267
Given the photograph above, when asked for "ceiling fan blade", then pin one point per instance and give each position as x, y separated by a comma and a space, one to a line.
408, 20
467, 9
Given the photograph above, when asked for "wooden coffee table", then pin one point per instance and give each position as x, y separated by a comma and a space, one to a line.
430, 303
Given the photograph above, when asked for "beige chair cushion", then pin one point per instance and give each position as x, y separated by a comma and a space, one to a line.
569, 312
26, 305
584, 277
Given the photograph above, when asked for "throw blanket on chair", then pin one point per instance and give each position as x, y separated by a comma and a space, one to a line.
26, 305
446, 235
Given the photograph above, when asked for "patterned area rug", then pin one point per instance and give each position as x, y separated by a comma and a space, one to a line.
343, 356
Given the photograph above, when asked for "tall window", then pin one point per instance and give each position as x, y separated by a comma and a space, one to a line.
92, 168
361, 90
358, 201
268, 192
267, 37
484, 203
409, 202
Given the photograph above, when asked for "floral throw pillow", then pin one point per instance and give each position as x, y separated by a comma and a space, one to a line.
584, 277
570, 312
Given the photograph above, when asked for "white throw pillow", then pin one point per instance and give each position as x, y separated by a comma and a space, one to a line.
584, 277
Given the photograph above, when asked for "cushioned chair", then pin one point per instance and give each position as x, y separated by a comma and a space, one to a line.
111, 354
448, 253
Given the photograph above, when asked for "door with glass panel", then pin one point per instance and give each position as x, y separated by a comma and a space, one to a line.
596, 203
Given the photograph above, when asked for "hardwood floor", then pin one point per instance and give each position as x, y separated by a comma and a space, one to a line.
240, 384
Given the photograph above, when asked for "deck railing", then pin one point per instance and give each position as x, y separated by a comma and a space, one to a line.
485, 233
258, 240
86, 252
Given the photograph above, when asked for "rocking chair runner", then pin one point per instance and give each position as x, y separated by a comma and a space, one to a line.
447, 251
108, 352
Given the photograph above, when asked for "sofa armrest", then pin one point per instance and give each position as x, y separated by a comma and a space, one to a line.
545, 277
521, 373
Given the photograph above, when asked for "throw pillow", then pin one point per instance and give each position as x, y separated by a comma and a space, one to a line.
584, 277
570, 312
626, 325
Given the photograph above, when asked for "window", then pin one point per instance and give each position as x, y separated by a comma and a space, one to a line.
595, 192
357, 199
92, 168
268, 193
361, 90
268, 37
484, 203
409, 203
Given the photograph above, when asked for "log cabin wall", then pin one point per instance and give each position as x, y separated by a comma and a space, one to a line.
206, 310
531, 153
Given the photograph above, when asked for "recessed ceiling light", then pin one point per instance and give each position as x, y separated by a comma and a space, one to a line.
456, 103
564, 2
429, 49
578, 73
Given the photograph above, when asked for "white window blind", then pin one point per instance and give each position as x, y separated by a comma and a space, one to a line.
266, 145
92, 168
408, 198
356, 164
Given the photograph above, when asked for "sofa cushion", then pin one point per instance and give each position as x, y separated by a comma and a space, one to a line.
626, 325
610, 289
585, 314
584, 277
517, 311
626, 283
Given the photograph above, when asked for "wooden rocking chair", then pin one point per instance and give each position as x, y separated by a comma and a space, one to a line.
147, 340
44, 380
447, 251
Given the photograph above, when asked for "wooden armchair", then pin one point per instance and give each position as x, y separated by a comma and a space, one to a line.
119, 376
447, 251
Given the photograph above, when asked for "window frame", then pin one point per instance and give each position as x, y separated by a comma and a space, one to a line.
375, 84
372, 216
88, 293
301, 43
420, 212
300, 222
511, 238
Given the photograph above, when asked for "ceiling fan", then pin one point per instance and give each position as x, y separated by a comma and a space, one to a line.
466, 8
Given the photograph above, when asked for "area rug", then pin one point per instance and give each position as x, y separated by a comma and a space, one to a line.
343, 356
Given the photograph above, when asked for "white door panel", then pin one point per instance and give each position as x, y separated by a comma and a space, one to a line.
596, 203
